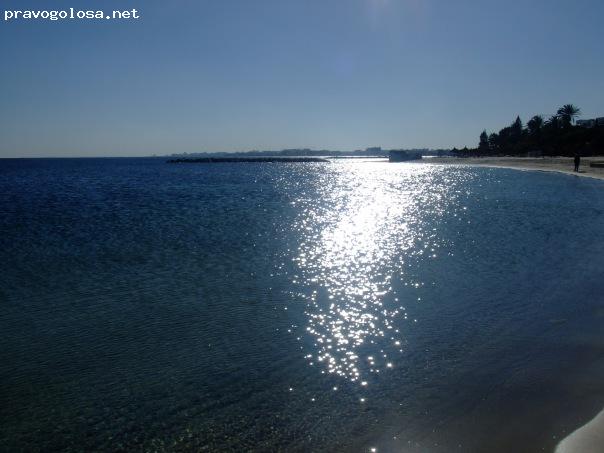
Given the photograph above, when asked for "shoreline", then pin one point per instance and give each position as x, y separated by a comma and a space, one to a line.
589, 437
562, 165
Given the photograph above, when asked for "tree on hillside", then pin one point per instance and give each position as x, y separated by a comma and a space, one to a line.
535, 124
554, 136
567, 114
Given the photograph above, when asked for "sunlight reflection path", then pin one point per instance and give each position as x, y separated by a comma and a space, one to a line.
369, 220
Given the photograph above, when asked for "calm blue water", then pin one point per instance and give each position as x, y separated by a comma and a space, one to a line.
296, 307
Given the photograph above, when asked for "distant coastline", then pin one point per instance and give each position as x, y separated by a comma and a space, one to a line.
375, 151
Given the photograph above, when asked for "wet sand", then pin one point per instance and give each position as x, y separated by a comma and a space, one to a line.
557, 164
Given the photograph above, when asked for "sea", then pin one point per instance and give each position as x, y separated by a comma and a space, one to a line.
350, 305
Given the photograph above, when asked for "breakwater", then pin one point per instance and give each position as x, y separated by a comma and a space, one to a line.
213, 160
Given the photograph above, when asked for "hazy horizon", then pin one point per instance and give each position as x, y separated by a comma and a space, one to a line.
341, 75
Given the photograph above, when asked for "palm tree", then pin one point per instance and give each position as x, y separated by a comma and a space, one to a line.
553, 122
535, 124
568, 113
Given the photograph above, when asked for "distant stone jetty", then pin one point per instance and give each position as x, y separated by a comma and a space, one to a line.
216, 160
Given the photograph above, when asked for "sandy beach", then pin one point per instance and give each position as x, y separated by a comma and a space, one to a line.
557, 164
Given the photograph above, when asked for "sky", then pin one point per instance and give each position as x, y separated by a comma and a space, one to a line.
231, 75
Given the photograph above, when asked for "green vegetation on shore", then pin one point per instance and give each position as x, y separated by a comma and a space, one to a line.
555, 136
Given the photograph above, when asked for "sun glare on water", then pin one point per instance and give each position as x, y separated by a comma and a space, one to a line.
370, 219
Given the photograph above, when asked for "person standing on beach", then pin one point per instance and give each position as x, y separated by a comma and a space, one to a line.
577, 161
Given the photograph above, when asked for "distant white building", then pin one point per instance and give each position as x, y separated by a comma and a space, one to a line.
591, 122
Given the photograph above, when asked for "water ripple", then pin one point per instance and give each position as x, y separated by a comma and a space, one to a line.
366, 225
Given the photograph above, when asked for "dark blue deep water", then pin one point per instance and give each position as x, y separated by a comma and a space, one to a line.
346, 306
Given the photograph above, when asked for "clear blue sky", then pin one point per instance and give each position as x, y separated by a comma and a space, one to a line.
224, 75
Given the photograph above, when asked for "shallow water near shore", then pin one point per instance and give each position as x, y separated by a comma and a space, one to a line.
297, 307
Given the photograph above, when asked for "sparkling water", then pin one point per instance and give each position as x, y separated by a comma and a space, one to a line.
297, 307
